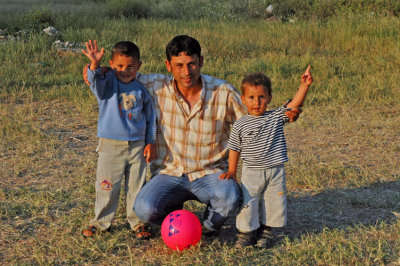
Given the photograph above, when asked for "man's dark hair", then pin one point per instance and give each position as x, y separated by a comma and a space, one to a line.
183, 43
126, 48
256, 79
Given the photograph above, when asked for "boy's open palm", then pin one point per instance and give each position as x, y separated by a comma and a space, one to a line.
93, 53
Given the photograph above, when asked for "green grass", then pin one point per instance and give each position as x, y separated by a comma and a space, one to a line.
343, 176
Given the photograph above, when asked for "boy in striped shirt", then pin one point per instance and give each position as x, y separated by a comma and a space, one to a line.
258, 138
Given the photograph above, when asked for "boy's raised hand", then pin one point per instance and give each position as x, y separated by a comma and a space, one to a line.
307, 78
92, 52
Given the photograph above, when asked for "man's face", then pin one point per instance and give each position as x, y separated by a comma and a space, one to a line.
185, 69
256, 99
125, 67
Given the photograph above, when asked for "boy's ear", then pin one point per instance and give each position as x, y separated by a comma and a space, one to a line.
111, 63
242, 98
269, 99
139, 65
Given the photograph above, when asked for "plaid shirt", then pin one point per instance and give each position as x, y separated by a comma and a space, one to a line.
192, 142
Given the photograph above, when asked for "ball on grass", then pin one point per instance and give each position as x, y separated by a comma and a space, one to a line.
181, 230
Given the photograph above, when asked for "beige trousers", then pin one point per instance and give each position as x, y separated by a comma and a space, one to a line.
118, 160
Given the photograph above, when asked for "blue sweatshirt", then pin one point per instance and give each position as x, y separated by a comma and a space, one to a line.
126, 110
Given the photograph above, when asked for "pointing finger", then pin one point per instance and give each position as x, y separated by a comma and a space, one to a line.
308, 70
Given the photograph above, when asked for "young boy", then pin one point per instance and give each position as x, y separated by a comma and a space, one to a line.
126, 131
259, 140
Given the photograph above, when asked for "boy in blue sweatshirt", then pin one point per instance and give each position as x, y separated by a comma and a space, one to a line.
126, 130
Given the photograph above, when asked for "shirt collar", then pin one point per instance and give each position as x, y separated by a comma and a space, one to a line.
178, 97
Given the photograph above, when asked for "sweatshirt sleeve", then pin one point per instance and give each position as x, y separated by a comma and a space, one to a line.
99, 83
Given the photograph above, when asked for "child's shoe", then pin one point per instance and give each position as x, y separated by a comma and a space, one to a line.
142, 232
265, 237
90, 231
245, 239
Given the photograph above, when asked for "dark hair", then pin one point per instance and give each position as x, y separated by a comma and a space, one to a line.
183, 43
126, 48
256, 79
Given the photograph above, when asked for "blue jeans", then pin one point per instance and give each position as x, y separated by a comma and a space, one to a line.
164, 194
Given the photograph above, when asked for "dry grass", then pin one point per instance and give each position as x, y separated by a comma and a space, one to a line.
48, 174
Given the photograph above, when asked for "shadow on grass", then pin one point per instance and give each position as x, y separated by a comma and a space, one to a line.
332, 209
341, 208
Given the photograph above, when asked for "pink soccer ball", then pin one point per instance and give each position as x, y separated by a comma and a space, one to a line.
181, 230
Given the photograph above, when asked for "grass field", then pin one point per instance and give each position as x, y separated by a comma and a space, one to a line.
343, 174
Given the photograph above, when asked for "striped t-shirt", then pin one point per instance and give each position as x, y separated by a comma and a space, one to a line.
260, 139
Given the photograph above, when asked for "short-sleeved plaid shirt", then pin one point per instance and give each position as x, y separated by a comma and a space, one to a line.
192, 142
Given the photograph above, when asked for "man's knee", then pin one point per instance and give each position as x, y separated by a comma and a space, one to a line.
232, 196
146, 211
234, 200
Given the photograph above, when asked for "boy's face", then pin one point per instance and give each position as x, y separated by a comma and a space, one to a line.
125, 67
256, 99
185, 69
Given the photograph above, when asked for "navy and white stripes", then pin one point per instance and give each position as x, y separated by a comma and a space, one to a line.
260, 139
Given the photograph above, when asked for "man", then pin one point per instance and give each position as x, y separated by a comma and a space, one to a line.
194, 115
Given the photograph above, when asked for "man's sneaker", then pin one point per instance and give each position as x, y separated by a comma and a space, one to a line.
245, 239
265, 237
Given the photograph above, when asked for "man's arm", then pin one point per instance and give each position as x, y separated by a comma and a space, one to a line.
293, 114
104, 70
150, 113
236, 108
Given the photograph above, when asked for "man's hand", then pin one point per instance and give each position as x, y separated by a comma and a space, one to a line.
84, 74
85, 69
227, 175
293, 114
93, 53
149, 152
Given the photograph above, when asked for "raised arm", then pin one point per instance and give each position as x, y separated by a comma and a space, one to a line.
93, 53
306, 80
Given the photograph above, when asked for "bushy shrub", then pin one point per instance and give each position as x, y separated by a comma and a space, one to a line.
323, 9
128, 8
257, 9
166, 9
187, 9
288, 8
39, 18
